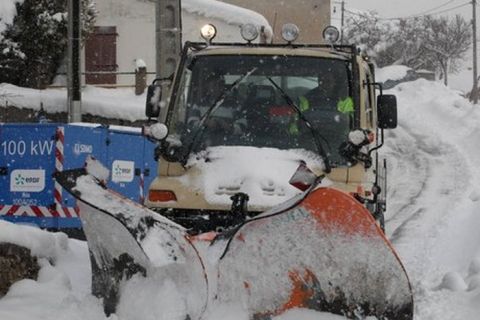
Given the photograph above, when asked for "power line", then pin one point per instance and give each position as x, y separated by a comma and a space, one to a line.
437, 7
451, 9
419, 15
430, 13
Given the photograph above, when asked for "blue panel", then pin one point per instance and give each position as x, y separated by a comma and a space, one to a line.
27, 159
66, 223
150, 165
125, 162
81, 141
27, 162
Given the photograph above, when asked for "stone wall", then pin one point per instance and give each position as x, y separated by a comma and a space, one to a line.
13, 114
16, 263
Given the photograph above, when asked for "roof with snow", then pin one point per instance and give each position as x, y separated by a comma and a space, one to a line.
229, 13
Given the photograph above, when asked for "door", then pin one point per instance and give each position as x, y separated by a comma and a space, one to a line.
101, 56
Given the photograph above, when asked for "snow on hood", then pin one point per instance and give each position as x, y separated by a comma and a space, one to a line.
262, 173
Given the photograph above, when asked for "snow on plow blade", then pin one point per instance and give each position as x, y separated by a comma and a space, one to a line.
321, 250
126, 240
324, 253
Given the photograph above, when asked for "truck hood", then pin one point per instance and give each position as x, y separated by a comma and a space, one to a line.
262, 173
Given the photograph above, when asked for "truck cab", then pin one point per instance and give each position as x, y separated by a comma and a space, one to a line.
242, 117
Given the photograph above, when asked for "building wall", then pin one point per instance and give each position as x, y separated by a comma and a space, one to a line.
311, 16
135, 24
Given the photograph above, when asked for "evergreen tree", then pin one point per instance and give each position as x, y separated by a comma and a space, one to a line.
33, 46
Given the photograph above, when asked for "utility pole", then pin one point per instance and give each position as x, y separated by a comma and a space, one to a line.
474, 95
168, 40
343, 21
342, 6
168, 33
73, 72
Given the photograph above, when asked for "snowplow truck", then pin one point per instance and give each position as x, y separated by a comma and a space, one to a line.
243, 108
270, 191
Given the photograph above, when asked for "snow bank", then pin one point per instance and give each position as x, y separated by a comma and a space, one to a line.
63, 285
306, 314
391, 73
448, 114
432, 215
108, 103
42, 244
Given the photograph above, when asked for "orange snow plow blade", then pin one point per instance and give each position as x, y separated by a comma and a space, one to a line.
325, 252
321, 250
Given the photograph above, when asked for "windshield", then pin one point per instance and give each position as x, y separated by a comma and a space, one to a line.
255, 112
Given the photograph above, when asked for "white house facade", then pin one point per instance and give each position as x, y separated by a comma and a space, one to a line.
124, 36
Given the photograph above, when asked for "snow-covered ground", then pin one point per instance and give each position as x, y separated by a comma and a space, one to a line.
108, 103
434, 198
433, 221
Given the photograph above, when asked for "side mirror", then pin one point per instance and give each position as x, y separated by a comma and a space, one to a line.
387, 111
154, 96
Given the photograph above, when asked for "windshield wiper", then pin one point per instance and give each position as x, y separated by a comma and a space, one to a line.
218, 102
318, 143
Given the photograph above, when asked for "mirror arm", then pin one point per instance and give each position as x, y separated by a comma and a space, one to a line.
382, 140
377, 85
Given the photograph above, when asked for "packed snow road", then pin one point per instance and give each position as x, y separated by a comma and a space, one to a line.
433, 212
433, 220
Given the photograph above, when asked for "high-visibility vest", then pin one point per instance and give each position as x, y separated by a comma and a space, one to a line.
345, 106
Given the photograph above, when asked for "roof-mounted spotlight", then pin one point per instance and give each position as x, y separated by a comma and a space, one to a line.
290, 32
249, 32
331, 34
208, 32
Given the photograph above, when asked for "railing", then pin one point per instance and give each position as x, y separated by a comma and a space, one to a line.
139, 82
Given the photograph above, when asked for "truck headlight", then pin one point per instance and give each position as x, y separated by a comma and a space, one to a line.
331, 34
249, 32
157, 131
208, 32
290, 32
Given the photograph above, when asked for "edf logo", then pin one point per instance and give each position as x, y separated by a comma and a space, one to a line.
123, 171
27, 180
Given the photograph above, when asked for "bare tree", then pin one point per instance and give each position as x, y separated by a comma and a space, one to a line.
446, 42
436, 44
369, 32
